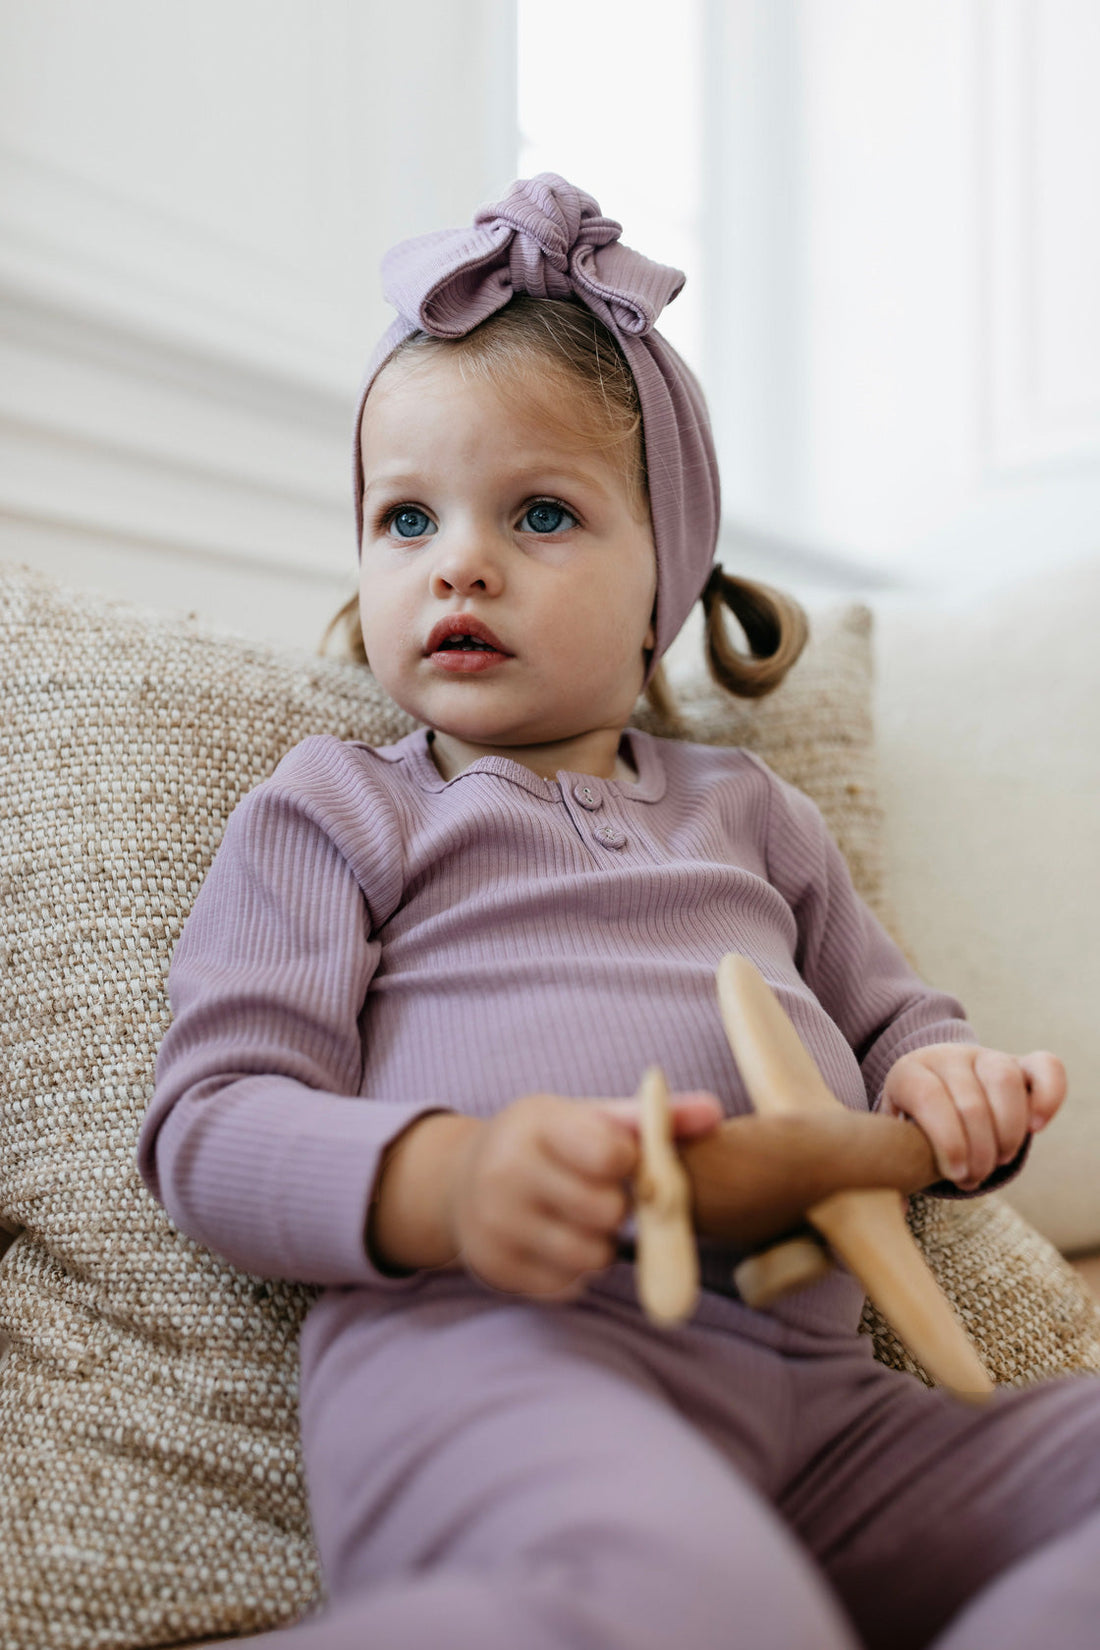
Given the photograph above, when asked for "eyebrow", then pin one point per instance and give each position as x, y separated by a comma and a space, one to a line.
396, 478
527, 476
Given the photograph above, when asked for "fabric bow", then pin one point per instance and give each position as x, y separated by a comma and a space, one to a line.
548, 239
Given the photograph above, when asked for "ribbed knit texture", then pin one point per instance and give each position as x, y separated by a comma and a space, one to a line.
372, 942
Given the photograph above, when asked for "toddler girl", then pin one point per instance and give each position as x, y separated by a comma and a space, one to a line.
419, 980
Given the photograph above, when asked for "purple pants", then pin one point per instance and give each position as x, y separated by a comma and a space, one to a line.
487, 1473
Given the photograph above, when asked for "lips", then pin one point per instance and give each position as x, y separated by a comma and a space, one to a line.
458, 625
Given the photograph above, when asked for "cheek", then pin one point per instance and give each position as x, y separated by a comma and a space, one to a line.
640, 569
643, 603
366, 613
376, 618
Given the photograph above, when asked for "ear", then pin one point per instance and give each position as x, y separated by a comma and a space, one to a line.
650, 638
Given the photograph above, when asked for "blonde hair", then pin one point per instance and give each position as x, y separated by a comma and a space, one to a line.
589, 397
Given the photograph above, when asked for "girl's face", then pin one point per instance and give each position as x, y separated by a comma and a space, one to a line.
476, 512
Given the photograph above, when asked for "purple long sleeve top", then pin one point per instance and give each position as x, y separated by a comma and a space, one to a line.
373, 943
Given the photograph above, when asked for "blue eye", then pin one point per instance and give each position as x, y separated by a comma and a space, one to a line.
410, 523
548, 517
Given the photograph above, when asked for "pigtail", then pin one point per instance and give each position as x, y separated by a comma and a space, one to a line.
775, 627
345, 626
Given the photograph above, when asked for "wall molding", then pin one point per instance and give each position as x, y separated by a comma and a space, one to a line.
113, 258
127, 433
192, 214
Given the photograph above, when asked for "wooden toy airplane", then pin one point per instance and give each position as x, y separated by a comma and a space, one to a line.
804, 1157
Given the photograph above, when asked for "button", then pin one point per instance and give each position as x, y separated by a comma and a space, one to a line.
610, 836
587, 796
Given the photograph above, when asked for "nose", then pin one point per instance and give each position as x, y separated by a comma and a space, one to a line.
467, 562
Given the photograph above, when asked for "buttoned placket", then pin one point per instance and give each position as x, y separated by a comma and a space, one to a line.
590, 797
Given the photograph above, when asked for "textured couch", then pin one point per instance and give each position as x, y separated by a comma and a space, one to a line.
150, 1485
988, 757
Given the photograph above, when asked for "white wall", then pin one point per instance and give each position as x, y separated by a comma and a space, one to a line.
193, 203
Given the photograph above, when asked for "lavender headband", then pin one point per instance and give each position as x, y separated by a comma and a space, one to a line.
549, 239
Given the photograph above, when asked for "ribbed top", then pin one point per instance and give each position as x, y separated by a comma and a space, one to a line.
373, 942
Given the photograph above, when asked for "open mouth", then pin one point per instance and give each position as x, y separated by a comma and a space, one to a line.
464, 643
464, 655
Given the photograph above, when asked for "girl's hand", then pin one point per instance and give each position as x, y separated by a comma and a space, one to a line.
539, 1190
976, 1106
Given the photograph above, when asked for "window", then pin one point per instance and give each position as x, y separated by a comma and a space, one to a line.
610, 96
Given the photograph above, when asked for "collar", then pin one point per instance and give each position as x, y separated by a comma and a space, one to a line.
413, 754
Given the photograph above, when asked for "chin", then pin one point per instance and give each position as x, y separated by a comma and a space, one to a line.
479, 734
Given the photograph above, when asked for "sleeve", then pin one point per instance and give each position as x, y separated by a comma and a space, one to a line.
257, 1141
856, 971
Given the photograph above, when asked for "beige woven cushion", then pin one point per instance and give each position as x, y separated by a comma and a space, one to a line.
150, 1486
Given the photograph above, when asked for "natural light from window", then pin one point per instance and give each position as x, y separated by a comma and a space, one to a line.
623, 120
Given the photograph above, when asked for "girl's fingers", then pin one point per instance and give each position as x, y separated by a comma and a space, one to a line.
597, 1205
526, 1275
693, 1113
925, 1098
542, 1256
974, 1104
1002, 1077
1046, 1080
623, 1111
975, 1112
568, 1250
555, 1255
577, 1137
